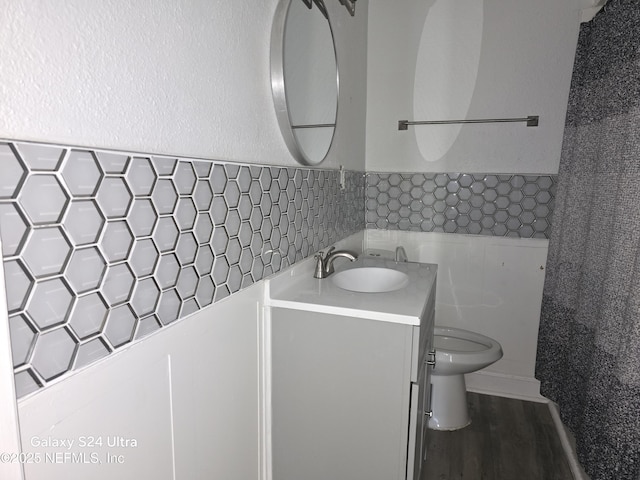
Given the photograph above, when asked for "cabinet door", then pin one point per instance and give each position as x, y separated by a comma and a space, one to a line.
340, 397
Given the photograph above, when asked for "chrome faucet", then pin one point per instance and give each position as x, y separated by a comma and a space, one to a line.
324, 262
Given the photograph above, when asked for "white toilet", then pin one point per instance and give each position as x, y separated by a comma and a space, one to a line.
457, 352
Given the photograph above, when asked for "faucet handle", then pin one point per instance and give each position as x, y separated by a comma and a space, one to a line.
328, 252
318, 271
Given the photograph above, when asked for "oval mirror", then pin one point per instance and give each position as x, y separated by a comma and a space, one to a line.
304, 78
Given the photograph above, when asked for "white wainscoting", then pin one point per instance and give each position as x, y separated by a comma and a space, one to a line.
490, 285
188, 396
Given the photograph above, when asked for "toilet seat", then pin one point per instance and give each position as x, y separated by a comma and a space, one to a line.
461, 351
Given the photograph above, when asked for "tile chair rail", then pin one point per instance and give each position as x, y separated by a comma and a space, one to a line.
102, 248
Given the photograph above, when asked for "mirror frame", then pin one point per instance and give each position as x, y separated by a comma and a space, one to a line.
278, 87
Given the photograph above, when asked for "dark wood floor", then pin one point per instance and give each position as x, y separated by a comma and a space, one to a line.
507, 440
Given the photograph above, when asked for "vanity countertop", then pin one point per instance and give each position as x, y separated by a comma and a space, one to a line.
297, 289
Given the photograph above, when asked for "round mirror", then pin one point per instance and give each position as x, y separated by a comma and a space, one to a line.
304, 78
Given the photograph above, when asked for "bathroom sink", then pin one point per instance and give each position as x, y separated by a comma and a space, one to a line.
370, 279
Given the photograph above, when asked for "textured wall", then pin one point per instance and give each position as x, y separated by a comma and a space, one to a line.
102, 248
179, 77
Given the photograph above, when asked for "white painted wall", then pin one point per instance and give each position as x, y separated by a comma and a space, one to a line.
439, 60
188, 78
189, 396
490, 285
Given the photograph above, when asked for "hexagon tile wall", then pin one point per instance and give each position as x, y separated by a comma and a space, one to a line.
482, 204
102, 248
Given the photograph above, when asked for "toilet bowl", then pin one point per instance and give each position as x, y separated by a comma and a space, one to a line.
457, 352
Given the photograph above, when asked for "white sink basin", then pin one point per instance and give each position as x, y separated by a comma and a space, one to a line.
370, 279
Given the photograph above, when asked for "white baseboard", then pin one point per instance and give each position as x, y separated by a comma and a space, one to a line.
511, 386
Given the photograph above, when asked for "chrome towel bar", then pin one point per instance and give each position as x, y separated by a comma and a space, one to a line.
531, 120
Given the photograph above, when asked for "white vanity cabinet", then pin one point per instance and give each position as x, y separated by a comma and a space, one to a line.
349, 394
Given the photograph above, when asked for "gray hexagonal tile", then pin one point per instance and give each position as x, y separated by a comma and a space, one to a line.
166, 234
219, 241
85, 269
140, 176
204, 260
185, 214
13, 229
26, 383
203, 195
18, 285
186, 249
203, 228
218, 179
530, 189
245, 234
541, 211
528, 203
255, 192
164, 166
244, 179
11, 172
540, 225
90, 352
220, 270
145, 297
502, 216
232, 194
81, 173
53, 353
500, 230
116, 241
164, 196
43, 199
169, 306
144, 258
88, 315
113, 197
544, 182
246, 261
184, 178
83, 222
118, 283
245, 207
219, 211
142, 217
234, 249
111, 162
205, 291
189, 306
187, 282
502, 202
22, 335
148, 325
40, 157
167, 272
202, 168
527, 217
543, 197
121, 325
46, 251
234, 280
490, 195
232, 225
50, 303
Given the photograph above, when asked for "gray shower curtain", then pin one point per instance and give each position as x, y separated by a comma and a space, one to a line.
589, 342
